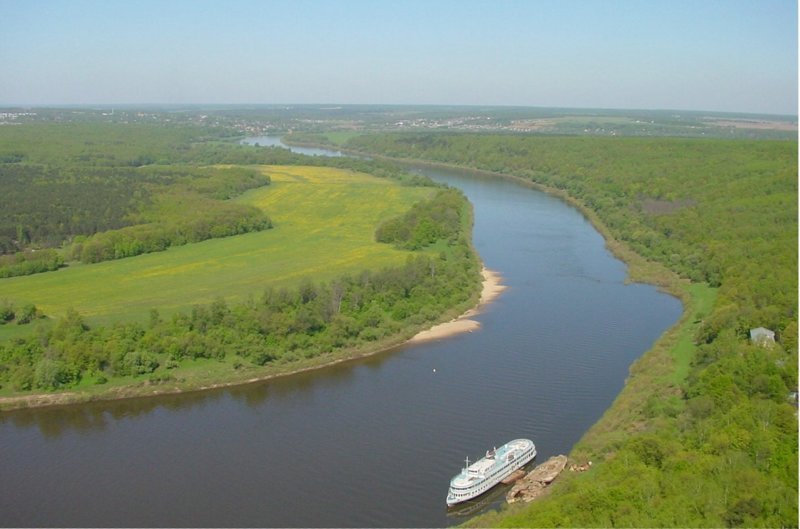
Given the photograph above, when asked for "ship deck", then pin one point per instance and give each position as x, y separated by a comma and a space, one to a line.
478, 470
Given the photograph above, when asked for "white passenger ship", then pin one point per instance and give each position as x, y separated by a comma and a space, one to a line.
482, 475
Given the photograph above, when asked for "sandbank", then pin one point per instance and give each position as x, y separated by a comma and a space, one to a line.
492, 287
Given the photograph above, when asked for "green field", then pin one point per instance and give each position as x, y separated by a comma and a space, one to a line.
324, 219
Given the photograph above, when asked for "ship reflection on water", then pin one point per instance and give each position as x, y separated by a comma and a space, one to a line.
491, 499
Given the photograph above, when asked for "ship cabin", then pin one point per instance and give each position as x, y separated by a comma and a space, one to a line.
479, 468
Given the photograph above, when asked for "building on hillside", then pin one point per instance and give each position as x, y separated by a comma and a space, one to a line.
763, 337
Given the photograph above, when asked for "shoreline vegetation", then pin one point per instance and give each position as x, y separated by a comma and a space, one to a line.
491, 288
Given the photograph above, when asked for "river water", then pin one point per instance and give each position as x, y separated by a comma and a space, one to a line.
372, 442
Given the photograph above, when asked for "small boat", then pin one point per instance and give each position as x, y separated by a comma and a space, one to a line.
480, 476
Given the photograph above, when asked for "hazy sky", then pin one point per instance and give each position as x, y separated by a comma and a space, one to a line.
728, 55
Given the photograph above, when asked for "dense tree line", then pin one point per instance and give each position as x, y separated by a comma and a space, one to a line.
281, 326
439, 218
721, 447
192, 209
45, 206
30, 262
218, 219
70, 179
98, 144
113, 212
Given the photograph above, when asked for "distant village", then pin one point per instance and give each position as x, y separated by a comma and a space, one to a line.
264, 120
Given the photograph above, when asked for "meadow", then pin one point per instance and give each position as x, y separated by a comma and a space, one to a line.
324, 225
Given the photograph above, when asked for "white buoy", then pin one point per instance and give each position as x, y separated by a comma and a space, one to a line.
434, 370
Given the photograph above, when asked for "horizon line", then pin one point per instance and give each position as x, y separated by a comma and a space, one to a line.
333, 106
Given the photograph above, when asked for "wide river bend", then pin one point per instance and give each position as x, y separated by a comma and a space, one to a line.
372, 442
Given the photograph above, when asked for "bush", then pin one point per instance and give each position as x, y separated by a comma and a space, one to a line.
140, 363
27, 314
6, 312
51, 374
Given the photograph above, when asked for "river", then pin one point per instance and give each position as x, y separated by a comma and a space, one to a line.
372, 442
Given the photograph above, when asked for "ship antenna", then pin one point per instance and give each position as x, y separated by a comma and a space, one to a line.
467, 465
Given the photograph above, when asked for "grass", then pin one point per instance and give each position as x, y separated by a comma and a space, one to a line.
340, 138
703, 297
324, 227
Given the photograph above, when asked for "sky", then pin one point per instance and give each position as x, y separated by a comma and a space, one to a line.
727, 55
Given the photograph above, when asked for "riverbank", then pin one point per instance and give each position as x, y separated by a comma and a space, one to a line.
491, 288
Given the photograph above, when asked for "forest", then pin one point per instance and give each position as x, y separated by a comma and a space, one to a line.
436, 219
111, 213
706, 441
93, 203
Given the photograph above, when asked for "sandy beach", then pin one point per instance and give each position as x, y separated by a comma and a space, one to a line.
492, 287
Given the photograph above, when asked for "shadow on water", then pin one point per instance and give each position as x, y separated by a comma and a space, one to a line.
56, 421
